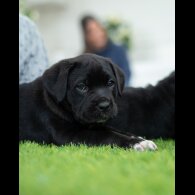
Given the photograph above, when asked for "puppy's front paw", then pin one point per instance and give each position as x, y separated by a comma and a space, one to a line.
145, 145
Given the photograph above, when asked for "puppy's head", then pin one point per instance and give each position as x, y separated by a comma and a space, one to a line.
89, 83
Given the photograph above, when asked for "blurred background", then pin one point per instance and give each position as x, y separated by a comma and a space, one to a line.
146, 28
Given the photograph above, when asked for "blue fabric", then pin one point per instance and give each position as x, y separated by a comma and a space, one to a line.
118, 55
33, 59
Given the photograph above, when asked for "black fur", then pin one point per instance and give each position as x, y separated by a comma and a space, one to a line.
147, 112
71, 101
75, 101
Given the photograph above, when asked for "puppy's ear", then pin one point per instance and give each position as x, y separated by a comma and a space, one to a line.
120, 77
55, 79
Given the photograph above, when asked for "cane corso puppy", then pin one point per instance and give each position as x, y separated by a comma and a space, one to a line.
147, 112
71, 102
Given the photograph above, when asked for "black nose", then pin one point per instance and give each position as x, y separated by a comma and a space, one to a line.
104, 105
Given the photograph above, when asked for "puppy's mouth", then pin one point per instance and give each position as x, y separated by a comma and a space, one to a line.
94, 115
103, 118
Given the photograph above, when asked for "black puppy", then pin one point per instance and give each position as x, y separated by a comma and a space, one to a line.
71, 102
148, 112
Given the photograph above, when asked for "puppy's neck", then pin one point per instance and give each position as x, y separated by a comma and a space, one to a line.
61, 110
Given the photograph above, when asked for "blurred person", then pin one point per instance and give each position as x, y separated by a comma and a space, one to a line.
33, 60
97, 41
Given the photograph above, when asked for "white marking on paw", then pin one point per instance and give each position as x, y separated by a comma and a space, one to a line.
145, 145
138, 147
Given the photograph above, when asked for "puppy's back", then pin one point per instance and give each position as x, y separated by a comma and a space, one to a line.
148, 111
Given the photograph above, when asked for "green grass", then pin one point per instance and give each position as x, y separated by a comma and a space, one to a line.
82, 170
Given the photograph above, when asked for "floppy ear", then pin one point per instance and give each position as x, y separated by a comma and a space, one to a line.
120, 77
55, 79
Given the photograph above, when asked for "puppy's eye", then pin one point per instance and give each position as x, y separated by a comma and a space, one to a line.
82, 88
110, 83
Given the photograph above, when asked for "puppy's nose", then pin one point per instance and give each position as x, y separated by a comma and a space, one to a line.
104, 105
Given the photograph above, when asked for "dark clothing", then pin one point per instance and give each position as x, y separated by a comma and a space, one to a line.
118, 55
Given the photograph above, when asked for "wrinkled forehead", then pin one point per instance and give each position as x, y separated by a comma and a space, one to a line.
95, 73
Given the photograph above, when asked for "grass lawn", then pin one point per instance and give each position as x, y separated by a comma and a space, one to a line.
82, 170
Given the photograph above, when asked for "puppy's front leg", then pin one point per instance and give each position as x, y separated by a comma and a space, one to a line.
137, 143
101, 135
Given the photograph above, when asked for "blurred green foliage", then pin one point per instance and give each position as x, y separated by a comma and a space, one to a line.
24, 10
119, 31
